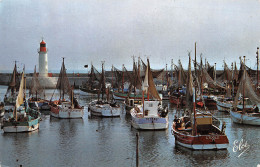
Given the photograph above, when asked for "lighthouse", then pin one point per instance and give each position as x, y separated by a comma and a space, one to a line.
43, 60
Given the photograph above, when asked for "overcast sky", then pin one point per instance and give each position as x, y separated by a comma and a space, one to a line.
86, 31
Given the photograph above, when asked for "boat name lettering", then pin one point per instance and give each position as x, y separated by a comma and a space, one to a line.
152, 119
212, 137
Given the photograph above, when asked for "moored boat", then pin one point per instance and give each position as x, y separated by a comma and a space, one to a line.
248, 116
36, 91
197, 131
104, 108
24, 120
207, 136
150, 115
65, 108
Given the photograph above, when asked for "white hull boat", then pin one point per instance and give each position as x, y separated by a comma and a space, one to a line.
66, 111
152, 119
104, 109
246, 118
222, 106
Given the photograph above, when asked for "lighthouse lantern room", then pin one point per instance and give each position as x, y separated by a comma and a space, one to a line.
43, 60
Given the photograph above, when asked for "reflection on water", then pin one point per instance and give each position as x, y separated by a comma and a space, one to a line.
94, 141
202, 158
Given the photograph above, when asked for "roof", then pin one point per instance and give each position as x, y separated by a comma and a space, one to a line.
42, 42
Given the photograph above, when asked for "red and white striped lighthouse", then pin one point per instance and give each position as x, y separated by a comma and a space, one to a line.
43, 60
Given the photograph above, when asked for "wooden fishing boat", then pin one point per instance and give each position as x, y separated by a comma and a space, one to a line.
25, 120
65, 108
224, 104
12, 91
249, 116
178, 98
91, 86
206, 135
150, 115
122, 96
197, 131
104, 108
35, 92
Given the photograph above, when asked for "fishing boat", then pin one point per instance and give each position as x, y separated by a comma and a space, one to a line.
249, 116
150, 115
197, 131
134, 79
224, 104
23, 119
35, 91
91, 86
103, 108
178, 97
134, 88
123, 96
63, 108
12, 91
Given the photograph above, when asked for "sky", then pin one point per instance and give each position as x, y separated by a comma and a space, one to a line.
91, 31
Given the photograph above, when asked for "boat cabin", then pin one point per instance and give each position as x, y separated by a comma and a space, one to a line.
150, 108
66, 105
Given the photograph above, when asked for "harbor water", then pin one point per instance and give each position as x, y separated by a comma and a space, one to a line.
112, 142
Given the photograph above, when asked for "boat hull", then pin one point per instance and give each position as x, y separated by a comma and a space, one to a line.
224, 107
150, 123
104, 110
16, 127
86, 90
58, 112
123, 96
153, 122
204, 146
201, 142
247, 118
177, 100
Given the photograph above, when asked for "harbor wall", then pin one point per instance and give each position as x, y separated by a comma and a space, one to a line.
46, 82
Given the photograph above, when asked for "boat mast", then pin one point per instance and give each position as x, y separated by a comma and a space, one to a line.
201, 73
194, 98
24, 87
112, 76
167, 80
195, 67
134, 77
172, 69
215, 77
72, 98
63, 71
195, 64
243, 82
123, 78
194, 131
257, 62
232, 80
103, 85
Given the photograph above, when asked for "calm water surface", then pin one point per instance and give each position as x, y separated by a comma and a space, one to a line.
112, 142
